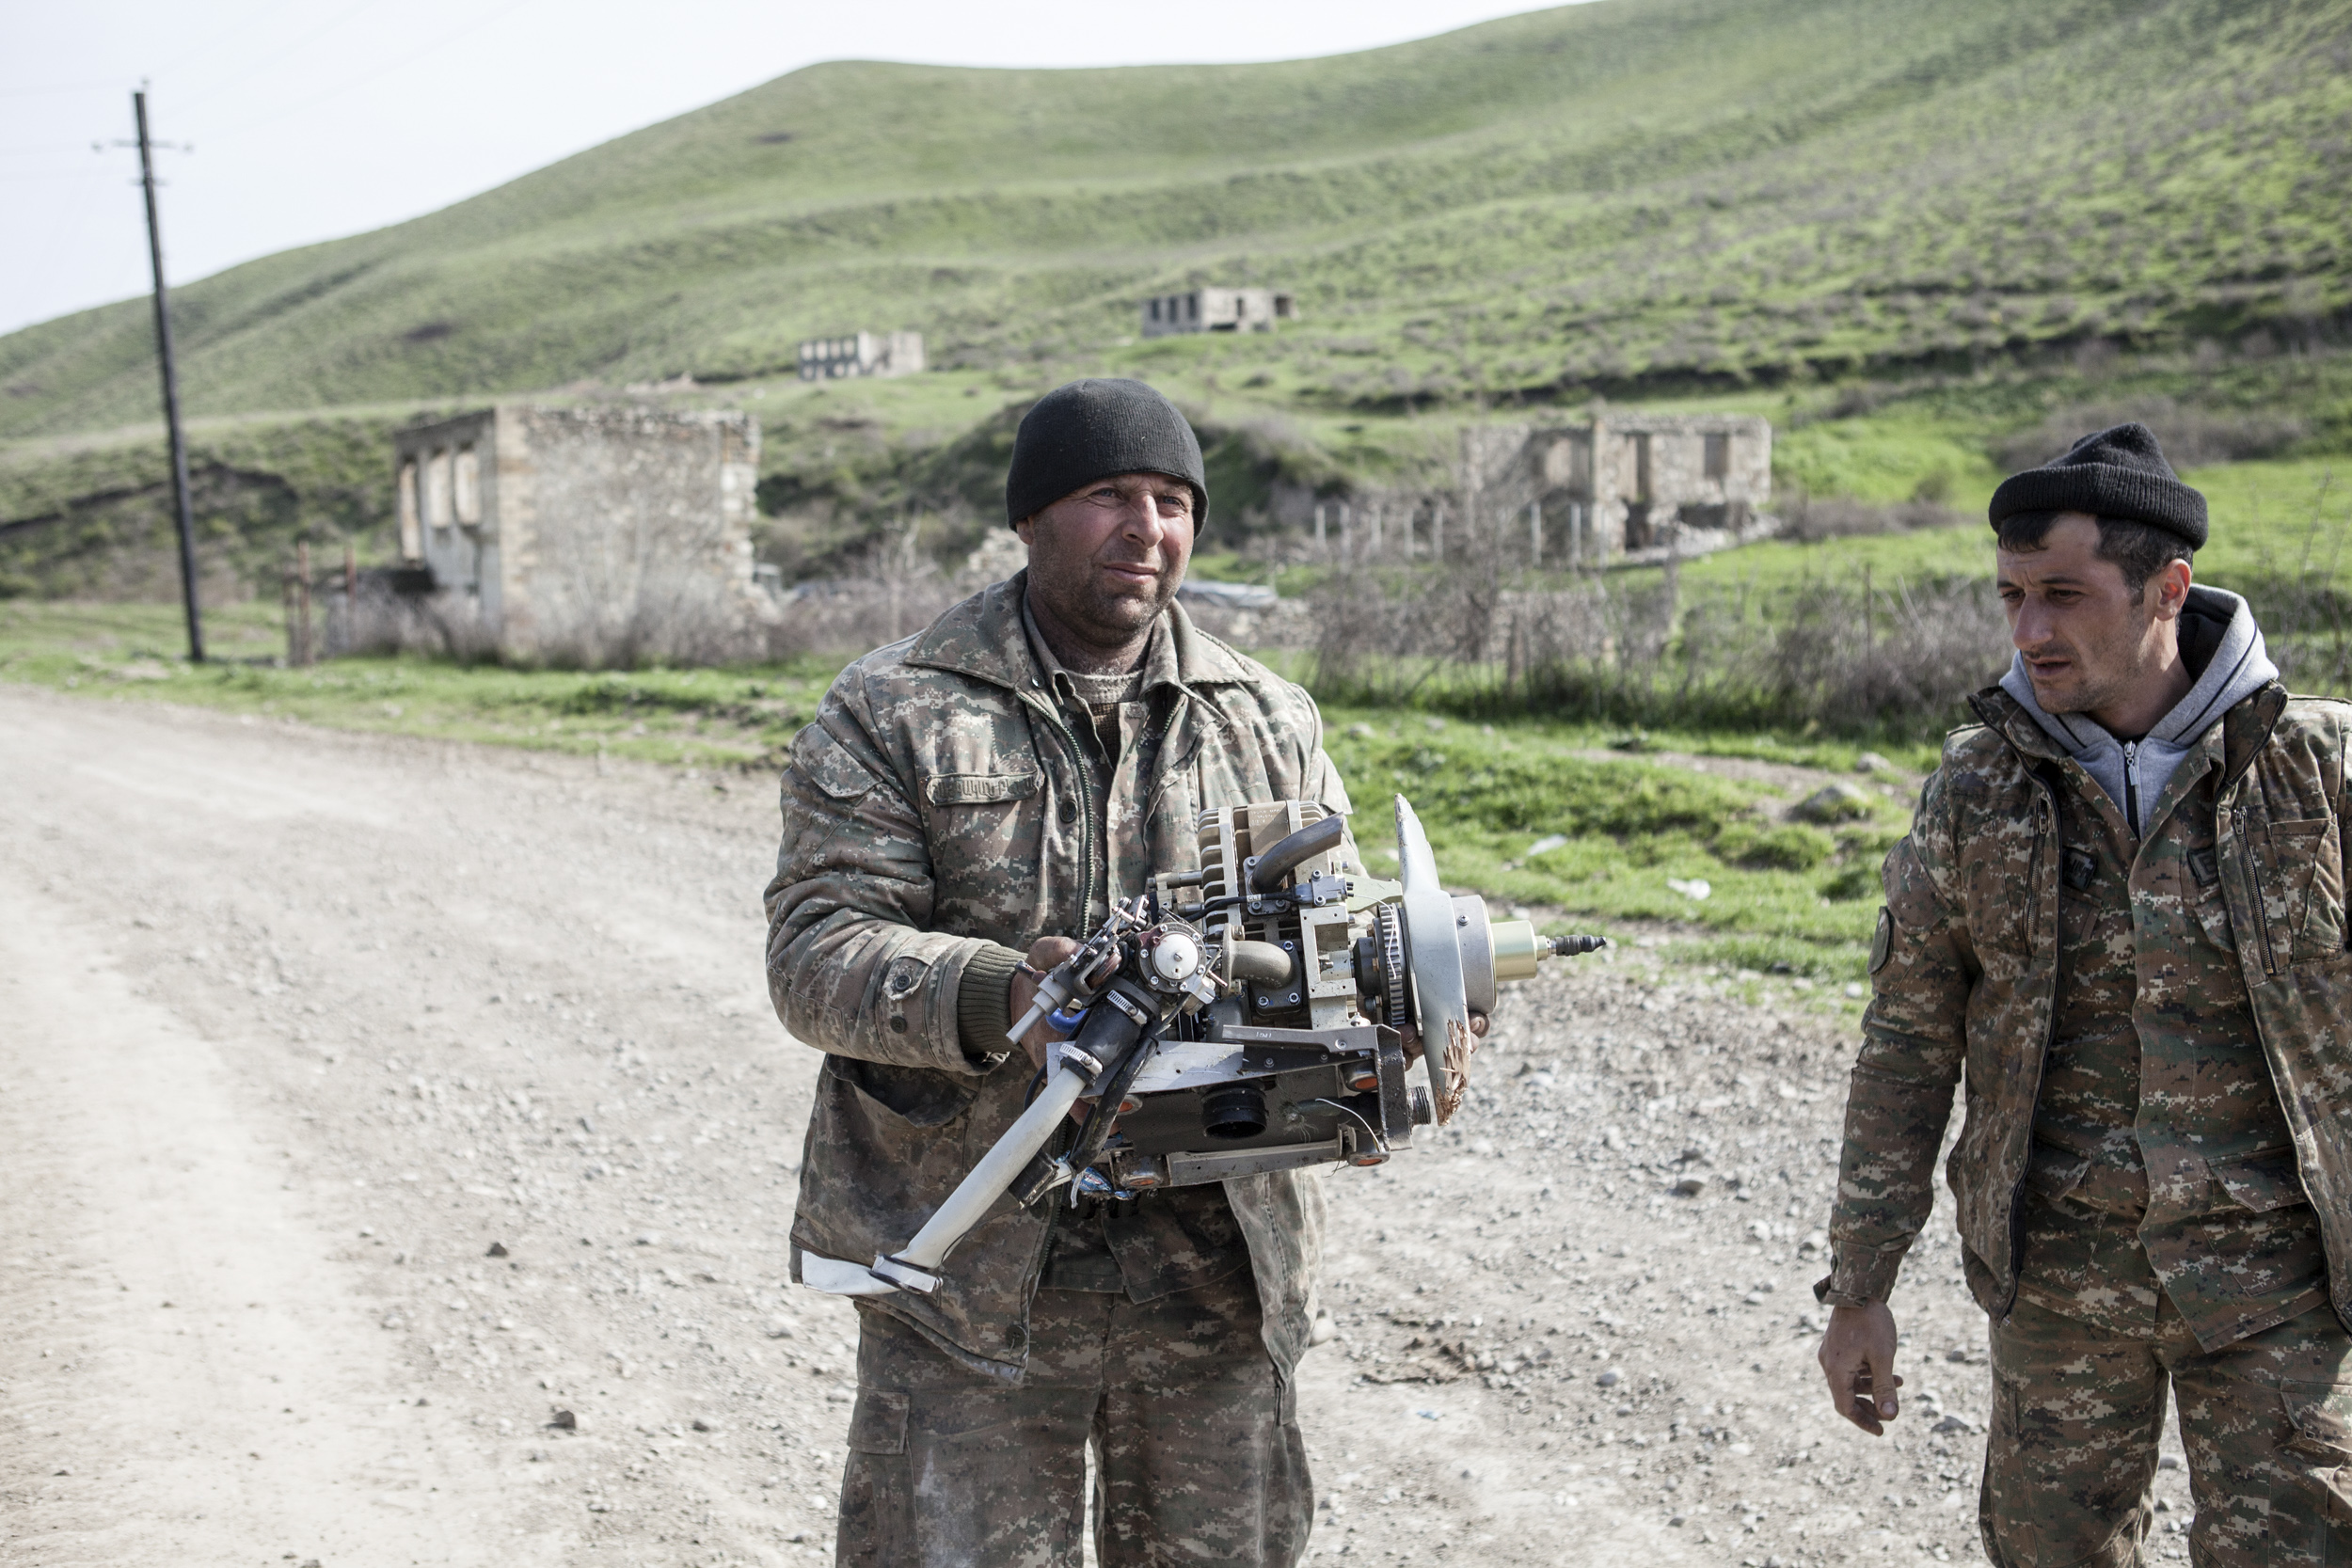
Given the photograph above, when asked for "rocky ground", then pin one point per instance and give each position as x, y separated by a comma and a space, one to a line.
399, 1153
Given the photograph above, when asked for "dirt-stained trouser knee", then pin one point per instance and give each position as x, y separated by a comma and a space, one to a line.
1198, 1456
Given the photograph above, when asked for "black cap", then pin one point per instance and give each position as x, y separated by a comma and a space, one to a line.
2116, 473
1087, 430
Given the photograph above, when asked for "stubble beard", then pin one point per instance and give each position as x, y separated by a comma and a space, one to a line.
1111, 619
2107, 673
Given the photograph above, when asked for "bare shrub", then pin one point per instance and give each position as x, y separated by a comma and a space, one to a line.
896, 592
1838, 656
662, 614
1382, 642
2307, 622
2191, 436
386, 616
1809, 519
1820, 654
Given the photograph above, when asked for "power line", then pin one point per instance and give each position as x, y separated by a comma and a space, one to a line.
214, 40
54, 89
439, 43
255, 65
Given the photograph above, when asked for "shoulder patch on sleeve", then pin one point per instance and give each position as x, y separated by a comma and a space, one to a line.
821, 759
1883, 940
1911, 895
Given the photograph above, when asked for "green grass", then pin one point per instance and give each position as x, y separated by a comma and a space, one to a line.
1631, 194
1906, 232
2280, 519
691, 718
1488, 794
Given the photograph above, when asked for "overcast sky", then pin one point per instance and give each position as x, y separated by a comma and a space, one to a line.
313, 118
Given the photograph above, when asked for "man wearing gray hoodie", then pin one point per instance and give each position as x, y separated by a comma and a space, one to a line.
2119, 919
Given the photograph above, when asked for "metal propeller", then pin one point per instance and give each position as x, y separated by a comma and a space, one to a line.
1439, 994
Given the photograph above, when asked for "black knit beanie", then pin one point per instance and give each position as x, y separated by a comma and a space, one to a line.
2117, 473
1087, 430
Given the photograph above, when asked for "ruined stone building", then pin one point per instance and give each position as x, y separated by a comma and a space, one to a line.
861, 353
1217, 311
1627, 483
584, 533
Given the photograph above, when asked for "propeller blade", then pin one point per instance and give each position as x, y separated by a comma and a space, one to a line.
1440, 996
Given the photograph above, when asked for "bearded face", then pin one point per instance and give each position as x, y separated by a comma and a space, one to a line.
1107, 559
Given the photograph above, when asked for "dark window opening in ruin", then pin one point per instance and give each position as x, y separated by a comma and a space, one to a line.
1639, 534
1717, 455
1731, 515
1192, 306
1283, 307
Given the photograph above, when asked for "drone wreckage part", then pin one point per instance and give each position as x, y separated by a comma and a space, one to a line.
1259, 1027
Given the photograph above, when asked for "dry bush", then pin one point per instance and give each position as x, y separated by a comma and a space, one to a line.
1839, 655
385, 619
1809, 519
1822, 654
2308, 624
669, 615
895, 592
664, 615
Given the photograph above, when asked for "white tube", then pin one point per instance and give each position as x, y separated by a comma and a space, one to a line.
979, 1191
1038, 1009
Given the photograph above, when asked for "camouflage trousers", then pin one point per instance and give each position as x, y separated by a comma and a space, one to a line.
1198, 1457
2077, 1412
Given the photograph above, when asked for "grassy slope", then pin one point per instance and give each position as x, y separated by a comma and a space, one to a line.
1630, 189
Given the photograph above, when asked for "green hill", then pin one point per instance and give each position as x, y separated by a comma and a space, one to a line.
1630, 197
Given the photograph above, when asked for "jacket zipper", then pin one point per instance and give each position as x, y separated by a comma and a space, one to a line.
2254, 891
2049, 1031
1086, 820
2131, 785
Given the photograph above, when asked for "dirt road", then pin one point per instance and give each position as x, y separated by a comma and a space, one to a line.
399, 1152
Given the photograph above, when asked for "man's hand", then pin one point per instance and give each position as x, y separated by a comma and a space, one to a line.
1857, 1357
1044, 953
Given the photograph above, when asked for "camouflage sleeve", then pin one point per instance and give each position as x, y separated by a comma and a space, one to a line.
1913, 1042
1322, 782
850, 968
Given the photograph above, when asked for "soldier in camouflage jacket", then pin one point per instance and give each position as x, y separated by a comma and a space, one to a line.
2132, 955
965, 798
933, 831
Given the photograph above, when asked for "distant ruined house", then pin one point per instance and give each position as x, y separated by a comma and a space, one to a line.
584, 535
1630, 482
1217, 311
861, 353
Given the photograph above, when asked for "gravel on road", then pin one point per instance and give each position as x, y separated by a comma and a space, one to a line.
401, 1150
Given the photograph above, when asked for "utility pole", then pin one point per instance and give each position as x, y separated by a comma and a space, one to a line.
171, 390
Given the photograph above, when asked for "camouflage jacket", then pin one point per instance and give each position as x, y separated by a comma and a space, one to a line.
1964, 973
935, 824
